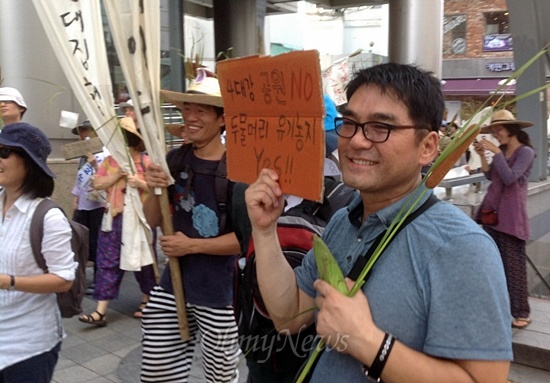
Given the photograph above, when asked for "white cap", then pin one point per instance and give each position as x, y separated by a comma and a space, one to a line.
126, 104
12, 94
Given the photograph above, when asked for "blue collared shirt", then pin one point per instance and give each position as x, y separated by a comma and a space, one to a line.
439, 287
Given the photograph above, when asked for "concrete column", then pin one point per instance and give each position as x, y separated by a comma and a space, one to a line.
415, 33
531, 33
30, 65
238, 24
177, 46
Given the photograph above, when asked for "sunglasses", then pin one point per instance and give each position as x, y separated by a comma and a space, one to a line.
5, 152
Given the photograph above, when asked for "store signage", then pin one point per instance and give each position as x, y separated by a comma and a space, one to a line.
497, 42
451, 22
501, 67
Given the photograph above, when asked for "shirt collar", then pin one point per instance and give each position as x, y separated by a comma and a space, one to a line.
387, 214
22, 203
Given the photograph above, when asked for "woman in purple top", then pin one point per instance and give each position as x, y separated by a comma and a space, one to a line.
507, 195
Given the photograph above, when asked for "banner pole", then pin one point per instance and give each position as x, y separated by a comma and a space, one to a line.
175, 273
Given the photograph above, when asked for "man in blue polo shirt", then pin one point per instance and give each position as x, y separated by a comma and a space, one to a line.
435, 307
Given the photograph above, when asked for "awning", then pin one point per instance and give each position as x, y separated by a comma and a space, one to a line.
476, 87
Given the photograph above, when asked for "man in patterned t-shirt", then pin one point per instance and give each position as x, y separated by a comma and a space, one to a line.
205, 248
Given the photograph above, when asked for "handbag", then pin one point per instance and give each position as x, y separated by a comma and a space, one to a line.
489, 217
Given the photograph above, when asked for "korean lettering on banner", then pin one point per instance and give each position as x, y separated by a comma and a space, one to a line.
274, 119
335, 79
134, 56
75, 28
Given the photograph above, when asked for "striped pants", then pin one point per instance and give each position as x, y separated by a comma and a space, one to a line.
514, 258
167, 358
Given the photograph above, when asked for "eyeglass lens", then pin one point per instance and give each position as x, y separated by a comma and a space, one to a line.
373, 131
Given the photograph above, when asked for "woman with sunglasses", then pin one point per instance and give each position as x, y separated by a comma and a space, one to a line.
31, 328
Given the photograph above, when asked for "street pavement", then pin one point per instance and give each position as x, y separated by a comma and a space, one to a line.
113, 353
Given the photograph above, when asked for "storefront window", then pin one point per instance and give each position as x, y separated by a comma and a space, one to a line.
497, 32
454, 34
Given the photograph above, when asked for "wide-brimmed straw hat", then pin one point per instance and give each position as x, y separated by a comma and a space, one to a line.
201, 90
504, 117
127, 123
30, 139
174, 129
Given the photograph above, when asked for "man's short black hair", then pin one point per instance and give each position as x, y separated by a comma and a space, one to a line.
419, 90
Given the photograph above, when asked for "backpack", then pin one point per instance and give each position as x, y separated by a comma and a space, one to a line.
69, 302
258, 337
178, 160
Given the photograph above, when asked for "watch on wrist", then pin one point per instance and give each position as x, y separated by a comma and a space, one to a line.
11, 287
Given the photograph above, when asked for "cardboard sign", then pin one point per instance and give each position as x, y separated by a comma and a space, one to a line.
82, 148
274, 119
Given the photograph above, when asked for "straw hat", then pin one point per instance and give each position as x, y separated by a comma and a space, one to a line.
128, 124
174, 129
202, 90
504, 117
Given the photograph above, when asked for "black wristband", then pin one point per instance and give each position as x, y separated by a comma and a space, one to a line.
373, 373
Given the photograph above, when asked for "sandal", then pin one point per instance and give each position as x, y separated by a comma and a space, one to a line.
89, 319
521, 322
139, 312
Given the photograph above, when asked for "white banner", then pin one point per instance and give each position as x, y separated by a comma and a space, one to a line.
335, 79
135, 26
75, 31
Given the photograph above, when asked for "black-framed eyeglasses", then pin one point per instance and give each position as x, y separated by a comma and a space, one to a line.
374, 131
5, 152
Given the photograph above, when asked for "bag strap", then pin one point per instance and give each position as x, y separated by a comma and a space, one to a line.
37, 231
360, 263
221, 188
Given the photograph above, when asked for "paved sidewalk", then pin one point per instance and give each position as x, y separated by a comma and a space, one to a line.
113, 353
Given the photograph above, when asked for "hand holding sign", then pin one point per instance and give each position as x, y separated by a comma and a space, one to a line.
274, 119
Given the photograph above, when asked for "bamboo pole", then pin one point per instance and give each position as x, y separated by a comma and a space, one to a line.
175, 273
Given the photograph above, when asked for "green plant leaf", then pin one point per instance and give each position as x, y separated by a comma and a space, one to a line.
328, 268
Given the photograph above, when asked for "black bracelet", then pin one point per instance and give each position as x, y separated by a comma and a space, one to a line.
373, 373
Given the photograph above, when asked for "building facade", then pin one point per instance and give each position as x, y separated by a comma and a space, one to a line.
478, 54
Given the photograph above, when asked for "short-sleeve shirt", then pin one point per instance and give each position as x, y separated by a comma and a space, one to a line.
207, 278
88, 198
439, 286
